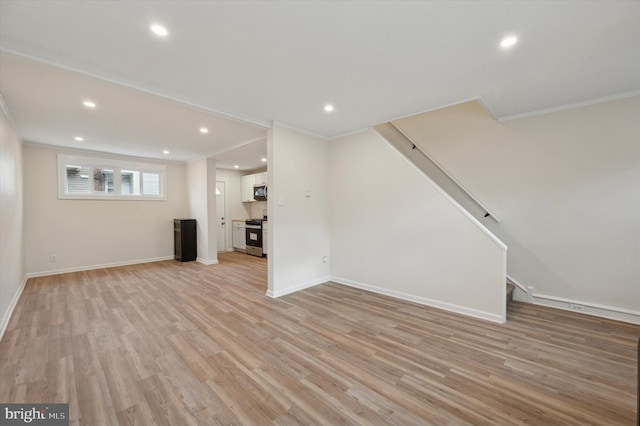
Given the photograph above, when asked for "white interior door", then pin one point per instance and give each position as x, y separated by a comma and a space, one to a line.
220, 218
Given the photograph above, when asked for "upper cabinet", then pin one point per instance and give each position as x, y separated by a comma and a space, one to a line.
260, 178
248, 182
247, 188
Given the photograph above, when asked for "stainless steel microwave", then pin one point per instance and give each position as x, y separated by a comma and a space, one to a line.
260, 192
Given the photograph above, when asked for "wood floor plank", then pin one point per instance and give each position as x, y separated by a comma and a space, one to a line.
173, 343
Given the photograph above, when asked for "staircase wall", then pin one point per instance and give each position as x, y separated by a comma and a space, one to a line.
566, 187
395, 233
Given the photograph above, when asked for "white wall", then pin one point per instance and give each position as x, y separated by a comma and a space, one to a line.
12, 265
393, 232
299, 224
201, 196
212, 237
90, 233
566, 186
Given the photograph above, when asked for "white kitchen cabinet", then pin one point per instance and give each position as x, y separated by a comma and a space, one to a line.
261, 178
247, 188
248, 182
239, 235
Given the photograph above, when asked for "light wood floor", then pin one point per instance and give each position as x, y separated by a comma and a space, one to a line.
174, 343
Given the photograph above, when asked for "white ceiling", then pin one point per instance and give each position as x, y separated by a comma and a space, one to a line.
46, 104
265, 61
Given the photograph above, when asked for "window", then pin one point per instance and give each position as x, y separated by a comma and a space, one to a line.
78, 180
150, 183
130, 182
103, 178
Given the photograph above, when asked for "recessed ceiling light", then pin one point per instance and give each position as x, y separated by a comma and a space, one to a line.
159, 30
328, 108
509, 41
89, 104
204, 130
79, 138
166, 151
235, 166
264, 160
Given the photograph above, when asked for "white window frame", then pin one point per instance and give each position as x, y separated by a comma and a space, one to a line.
117, 166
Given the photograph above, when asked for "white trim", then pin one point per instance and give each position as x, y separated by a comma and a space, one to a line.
289, 290
444, 193
12, 307
206, 261
236, 146
436, 108
423, 300
304, 132
449, 175
228, 116
478, 99
352, 132
61, 149
516, 283
117, 166
5, 109
486, 107
571, 106
594, 309
364, 129
101, 266
503, 288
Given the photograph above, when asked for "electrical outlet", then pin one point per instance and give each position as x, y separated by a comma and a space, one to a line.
576, 307
325, 259
53, 258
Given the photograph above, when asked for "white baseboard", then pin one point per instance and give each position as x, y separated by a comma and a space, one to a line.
101, 266
602, 311
289, 290
207, 262
12, 306
422, 300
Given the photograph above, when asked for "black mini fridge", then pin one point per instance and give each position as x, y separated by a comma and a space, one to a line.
184, 239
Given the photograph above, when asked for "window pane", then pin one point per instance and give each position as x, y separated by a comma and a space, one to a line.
130, 182
100, 178
78, 180
103, 180
151, 183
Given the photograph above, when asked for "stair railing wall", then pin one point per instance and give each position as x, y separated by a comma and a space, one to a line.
440, 176
438, 173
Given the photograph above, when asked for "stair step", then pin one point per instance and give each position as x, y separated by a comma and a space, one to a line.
510, 288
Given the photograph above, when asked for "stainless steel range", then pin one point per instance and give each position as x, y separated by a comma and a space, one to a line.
254, 237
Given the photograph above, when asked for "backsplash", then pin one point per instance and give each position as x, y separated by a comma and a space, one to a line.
257, 209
